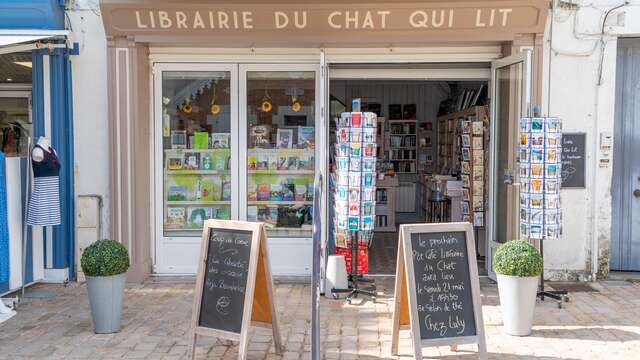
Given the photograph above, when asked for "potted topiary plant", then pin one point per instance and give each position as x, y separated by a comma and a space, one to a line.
105, 263
518, 265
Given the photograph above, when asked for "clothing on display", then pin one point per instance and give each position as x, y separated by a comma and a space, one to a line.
44, 203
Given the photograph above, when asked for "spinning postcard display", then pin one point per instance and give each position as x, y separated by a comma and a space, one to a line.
355, 174
540, 177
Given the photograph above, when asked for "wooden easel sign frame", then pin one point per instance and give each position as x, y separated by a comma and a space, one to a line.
222, 269
406, 313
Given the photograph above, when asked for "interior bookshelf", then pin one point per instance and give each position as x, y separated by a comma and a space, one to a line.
403, 145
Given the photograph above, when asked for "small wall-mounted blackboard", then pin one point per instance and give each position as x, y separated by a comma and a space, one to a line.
437, 287
234, 288
573, 160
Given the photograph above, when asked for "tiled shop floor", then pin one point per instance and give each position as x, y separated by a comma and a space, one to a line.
594, 325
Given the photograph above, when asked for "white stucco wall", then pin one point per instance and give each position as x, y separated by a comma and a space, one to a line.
90, 106
582, 93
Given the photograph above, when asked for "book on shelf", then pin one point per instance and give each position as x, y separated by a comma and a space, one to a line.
176, 217
220, 140
306, 137
200, 140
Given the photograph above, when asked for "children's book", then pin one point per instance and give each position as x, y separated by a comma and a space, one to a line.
252, 192
220, 140
177, 193
284, 138
191, 161
176, 217
264, 192
306, 137
200, 140
196, 217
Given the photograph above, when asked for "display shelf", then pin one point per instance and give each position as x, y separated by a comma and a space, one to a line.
272, 203
197, 172
197, 202
193, 150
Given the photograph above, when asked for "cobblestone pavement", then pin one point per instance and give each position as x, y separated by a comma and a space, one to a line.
594, 325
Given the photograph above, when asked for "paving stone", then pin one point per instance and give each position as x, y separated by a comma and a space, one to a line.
156, 319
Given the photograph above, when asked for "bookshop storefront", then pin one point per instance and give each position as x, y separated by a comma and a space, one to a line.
224, 111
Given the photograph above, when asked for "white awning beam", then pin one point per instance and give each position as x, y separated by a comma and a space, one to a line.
12, 41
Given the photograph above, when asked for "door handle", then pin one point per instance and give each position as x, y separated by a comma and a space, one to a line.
636, 192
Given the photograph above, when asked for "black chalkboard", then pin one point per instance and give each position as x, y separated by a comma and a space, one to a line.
443, 285
225, 279
573, 160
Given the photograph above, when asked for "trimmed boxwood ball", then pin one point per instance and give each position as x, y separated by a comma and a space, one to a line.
105, 258
517, 258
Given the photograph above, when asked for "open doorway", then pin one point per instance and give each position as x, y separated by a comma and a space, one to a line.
432, 149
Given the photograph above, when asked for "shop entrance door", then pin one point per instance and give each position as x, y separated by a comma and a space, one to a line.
196, 158
625, 245
510, 100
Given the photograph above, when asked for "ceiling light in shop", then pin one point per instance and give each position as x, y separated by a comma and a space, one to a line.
9, 79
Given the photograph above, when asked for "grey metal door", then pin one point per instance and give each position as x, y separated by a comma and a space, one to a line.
625, 244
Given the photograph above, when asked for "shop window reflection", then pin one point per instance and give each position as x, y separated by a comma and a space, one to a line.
281, 150
196, 119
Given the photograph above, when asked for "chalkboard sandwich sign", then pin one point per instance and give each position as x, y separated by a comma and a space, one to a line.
437, 290
234, 288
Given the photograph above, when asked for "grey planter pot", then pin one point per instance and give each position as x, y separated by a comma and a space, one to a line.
105, 297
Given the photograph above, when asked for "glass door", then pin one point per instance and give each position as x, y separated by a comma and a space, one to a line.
279, 115
510, 100
196, 151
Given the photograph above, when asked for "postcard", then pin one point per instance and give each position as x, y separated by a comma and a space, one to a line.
466, 181
370, 120
478, 187
343, 163
551, 154
466, 127
536, 186
354, 178
554, 125
369, 135
537, 155
536, 231
466, 194
465, 207
368, 193
477, 128
355, 164
466, 167
525, 140
355, 149
354, 209
355, 135
466, 140
369, 164
536, 201
525, 170
552, 202
537, 170
551, 171
524, 200
367, 222
354, 194
551, 231
369, 149
342, 149
525, 185
524, 231
476, 143
524, 215
342, 135
525, 125
466, 154
551, 186
478, 218
554, 140
525, 154
537, 139
341, 223
537, 216
342, 193
537, 125
551, 217
367, 208
478, 173
368, 178
354, 223
478, 203
356, 120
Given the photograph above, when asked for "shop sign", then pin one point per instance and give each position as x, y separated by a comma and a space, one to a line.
321, 22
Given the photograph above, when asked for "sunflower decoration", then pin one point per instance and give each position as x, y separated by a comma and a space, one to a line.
186, 106
214, 108
266, 104
295, 104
